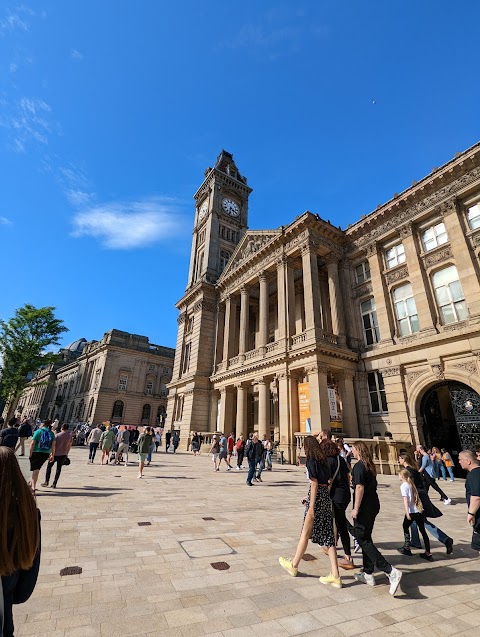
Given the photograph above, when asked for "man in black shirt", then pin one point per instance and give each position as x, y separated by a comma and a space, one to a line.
468, 461
9, 436
24, 434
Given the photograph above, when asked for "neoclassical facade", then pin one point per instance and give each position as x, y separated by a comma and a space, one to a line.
372, 330
121, 378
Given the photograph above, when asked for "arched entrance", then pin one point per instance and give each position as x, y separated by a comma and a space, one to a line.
451, 416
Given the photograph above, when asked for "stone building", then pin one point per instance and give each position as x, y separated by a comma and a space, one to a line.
122, 378
372, 330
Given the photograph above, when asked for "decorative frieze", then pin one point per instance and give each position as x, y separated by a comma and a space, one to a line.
437, 256
438, 371
470, 367
396, 275
363, 290
391, 371
412, 376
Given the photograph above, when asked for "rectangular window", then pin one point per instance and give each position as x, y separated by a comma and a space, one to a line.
434, 236
96, 380
186, 357
449, 296
394, 256
149, 387
376, 393
362, 272
122, 382
371, 333
405, 310
473, 216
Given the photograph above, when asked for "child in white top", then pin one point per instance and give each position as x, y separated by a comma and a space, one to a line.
413, 512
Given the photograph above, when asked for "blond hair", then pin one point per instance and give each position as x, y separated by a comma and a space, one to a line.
407, 477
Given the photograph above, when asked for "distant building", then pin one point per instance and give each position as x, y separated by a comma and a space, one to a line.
373, 330
122, 378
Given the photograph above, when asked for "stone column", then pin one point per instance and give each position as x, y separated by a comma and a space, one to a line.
397, 403
241, 421
220, 334
244, 316
455, 223
213, 411
226, 420
290, 300
418, 281
380, 293
311, 287
263, 310
349, 409
281, 297
229, 335
319, 406
288, 414
263, 405
336, 304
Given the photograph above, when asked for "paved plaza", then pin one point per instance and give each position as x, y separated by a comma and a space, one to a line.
146, 549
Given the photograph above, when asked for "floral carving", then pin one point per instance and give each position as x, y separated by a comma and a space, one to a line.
396, 275
391, 371
412, 376
437, 256
363, 290
470, 367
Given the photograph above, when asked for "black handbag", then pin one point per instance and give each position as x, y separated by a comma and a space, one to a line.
66, 462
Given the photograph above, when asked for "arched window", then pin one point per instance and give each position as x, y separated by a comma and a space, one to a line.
405, 310
161, 415
117, 411
90, 407
449, 295
146, 411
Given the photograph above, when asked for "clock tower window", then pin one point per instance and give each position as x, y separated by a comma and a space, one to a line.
224, 258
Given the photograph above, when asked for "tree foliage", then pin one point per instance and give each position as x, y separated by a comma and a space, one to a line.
24, 340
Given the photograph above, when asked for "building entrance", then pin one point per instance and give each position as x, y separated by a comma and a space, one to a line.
451, 417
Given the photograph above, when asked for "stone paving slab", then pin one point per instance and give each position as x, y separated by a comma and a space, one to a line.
157, 579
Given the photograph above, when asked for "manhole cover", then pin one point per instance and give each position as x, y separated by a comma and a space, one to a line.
308, 557
144, 523
71, 570
208, 519
206, 548
220, 566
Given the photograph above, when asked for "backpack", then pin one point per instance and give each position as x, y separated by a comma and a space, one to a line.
45, 441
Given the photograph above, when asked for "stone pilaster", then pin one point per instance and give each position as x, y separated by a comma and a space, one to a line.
380, 293
244, 316
349, 408
241, 419
338, 319
319, 406
263, 309
311, 287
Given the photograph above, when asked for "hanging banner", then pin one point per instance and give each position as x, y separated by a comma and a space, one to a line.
332, 401
304, 407
335, 410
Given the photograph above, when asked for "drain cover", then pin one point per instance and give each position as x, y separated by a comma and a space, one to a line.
71, 570
308, 557
144, 523
220, 566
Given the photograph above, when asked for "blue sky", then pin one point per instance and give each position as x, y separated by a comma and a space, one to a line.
110, 111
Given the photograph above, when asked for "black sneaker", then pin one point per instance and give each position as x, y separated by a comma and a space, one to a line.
449, 546
403, 551
426, 556
54, 486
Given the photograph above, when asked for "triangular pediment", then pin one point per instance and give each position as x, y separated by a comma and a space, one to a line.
252, 242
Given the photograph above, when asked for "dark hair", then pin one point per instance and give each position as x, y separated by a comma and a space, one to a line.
476, 448
313, 450
365, 456
330, 449
19, 526
408, 458
13, 421
65, 427
327, 433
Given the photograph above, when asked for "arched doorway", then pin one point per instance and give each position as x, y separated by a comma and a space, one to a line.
451, 416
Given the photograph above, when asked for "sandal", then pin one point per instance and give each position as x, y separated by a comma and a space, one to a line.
347, 565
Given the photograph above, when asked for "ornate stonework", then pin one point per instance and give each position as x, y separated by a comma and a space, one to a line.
437, 256
396, 275
391, 371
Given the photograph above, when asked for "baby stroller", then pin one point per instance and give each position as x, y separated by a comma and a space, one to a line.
114, 452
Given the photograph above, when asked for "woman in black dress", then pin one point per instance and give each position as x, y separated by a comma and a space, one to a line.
318, 519
366, 507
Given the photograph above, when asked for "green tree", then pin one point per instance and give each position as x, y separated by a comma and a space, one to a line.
24, 340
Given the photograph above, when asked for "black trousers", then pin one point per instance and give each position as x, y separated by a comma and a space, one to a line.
59, 460
341, 524
430, 482
240, 453
420, 520
362, 532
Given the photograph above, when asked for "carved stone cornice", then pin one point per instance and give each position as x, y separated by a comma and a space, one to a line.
406, 230
391, 371
181, 319
396, 275
372, 249
363, 290
206, 306
437, 256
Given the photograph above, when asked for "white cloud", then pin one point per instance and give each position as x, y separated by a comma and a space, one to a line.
28, 121
16, 20
76, 186
76, 55
122, 226
5, 222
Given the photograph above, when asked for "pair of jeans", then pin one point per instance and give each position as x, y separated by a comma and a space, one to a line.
59, 460
420, 523
431, 482
434, 531
362, 531
260, 466
450, 473
443, 471
239, 457
251, 469
341, 524
93, 450
122, 449
268, 459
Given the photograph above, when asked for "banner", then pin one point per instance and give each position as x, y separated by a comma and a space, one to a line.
304, 407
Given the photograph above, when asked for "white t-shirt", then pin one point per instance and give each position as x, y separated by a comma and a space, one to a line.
406, 491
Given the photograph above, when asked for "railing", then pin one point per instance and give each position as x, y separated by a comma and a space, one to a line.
234, 361
271, 347
330, 338
299, 338
221, 367
253, 353
384, 451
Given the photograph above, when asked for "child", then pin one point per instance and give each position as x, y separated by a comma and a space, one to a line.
413, 512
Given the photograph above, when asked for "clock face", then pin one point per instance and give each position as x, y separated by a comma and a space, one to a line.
231, 207
203, 210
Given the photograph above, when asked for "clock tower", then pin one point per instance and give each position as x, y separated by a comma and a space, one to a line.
221, 218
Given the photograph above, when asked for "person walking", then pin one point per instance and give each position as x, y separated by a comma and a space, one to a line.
254, 453
215, 450
24, 433
175, 441
366, 507
268, 455
93, 440
195, 446
230, 448
168, 437
240, 446
439, 464
144, 444
42, 448
406, 461
223, 455
158, 441
429, 474
448, 462
123, 441
19, 539
413, 512
340, 496
318, 518
9, 436
152, 448
63, 444
469, 462
107, 438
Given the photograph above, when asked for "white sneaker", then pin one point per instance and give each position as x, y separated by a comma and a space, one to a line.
365, 578
229, 468
238, 468
447, 501
394, 576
